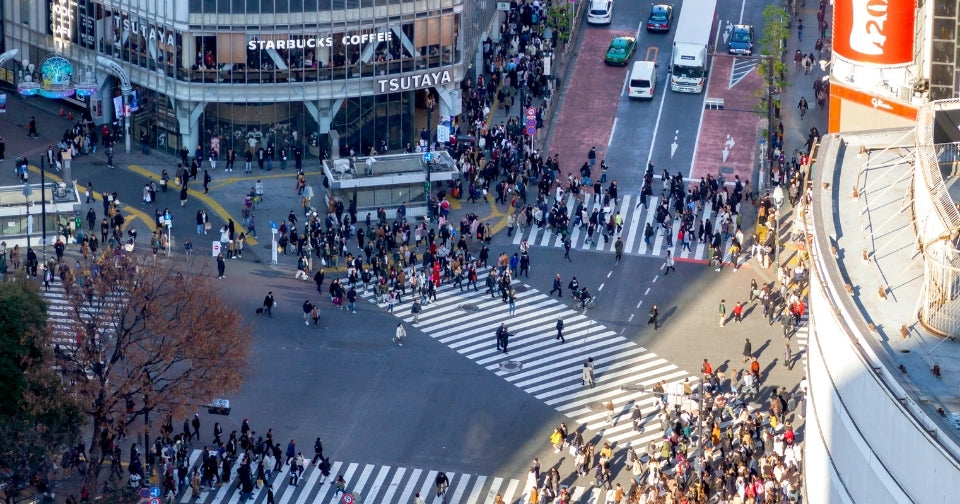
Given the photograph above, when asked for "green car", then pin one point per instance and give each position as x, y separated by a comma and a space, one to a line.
620, 51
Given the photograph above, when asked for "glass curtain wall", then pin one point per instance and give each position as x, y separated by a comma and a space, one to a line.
308, 48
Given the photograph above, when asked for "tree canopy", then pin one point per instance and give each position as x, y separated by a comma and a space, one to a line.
148, 339
37, 416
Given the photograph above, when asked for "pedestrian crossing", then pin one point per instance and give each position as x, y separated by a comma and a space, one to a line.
546, 369
369, 484
800, 335
635, 218
60, 316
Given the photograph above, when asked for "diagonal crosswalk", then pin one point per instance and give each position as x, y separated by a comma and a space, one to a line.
635, 218
372, 483
547, 369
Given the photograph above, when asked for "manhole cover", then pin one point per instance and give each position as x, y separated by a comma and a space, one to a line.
469, 307
520, 288
510, 366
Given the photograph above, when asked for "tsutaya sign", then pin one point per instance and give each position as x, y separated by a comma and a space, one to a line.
311, 42
411, 82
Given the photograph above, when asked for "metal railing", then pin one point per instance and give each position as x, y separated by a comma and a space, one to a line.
937, 223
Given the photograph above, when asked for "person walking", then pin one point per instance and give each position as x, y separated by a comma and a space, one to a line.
618, 249
196, 427
557, 286
221, 266
415, 310
307, 311
669, 263
747, 350
786, 322
560, 331
32, 128
654, 317
608, 406
500, 330
268, 304
400, 335
755, 369
587, 377
738, 312
206, 181
566, 249
788, 356
802, 106
722, 310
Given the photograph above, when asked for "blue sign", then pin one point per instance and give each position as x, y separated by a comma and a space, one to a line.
273, 225
154, 491
428, 156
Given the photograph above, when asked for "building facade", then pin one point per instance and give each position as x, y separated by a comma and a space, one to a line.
248, 74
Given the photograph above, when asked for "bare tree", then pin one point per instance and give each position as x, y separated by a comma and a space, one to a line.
147, 338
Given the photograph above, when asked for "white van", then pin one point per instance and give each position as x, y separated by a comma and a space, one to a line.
643, 80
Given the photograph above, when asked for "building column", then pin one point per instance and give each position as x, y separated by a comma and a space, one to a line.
188, 117
451, 105
323, 112
188, 53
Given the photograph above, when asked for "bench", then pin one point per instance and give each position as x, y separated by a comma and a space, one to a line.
713, 104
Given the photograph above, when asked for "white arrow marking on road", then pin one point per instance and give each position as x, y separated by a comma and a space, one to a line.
673, 146
727, 147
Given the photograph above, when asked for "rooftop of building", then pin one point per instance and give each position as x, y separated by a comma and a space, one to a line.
866, 188
390, 169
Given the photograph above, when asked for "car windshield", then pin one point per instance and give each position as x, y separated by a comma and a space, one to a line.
617, 50
658, 18
598, 12
741, 36
690, 72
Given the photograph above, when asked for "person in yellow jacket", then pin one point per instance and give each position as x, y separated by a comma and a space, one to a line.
556, 439
534, 496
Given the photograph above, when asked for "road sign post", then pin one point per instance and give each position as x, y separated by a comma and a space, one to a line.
531, 124
428, 162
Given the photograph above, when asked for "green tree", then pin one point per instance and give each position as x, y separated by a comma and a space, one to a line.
37, 417
773, 45
772, 65
560, 20
149, 339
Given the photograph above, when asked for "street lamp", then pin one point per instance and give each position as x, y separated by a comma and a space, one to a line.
777, 202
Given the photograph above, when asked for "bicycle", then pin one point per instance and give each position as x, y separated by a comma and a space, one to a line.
586, 304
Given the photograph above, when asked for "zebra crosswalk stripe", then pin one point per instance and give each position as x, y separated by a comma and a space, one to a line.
59, 316
635, 218
380, 484
546, 369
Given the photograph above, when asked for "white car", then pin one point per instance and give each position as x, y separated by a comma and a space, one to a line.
601, 12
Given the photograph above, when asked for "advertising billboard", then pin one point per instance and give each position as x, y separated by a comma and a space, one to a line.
878, 32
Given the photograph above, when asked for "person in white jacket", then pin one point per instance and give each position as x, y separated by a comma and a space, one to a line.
401, 334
